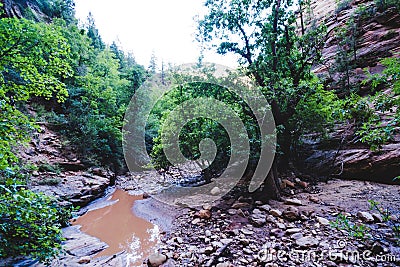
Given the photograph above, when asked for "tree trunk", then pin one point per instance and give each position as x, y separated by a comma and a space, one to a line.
285, 145
271, 185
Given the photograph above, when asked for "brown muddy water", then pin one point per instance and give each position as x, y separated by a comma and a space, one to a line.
121, 229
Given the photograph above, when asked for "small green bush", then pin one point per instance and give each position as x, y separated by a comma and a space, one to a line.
30, 223
49, 181
358, 231
385, 4
343, 5
372, 130
47, 167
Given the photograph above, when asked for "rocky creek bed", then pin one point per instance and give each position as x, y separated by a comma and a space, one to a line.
296, 232
236, 230
239, 231
299, 231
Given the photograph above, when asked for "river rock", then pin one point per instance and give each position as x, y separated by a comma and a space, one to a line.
323, 221
215, 191
169, 263
232, 211
226, 241
291, 214
303, 184
157, 259
314, 199
84, 260
291, 231
196, 221
257, 211
224, 264
281, 226
276, 232
296, 236
208, 250
208, 233
258, 219
275, 212
293, 201
240, 205
265, 207
80, 244
288, 183
207, 207
365, 216
377, 217
246, 231
204, 214
217, 244
307, 241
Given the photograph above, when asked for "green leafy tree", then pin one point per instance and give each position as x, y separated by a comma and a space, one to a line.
153, 64
30, 223
102, 83
93, 111
33, 62
97, 103
263, 34
93, 33
199, 129
372, 130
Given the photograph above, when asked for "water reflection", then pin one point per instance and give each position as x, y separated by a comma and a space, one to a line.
118, 226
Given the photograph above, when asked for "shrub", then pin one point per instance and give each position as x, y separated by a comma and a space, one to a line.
30, 223
385, 4
343, 5
47, 167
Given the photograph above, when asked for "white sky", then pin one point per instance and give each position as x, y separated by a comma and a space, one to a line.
165, 27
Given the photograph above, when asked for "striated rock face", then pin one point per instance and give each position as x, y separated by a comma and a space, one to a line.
59, 171
378, 35
351, 160
21, 9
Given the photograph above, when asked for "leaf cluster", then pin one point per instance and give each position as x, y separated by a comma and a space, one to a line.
29, 223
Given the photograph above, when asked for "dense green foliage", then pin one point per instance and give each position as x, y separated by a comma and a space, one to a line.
33, 61
279, 58
263, 34
103, 81
98, 100
201, 128
29, 223
84, 84
52, 61
375, 130
385, 4
374, 116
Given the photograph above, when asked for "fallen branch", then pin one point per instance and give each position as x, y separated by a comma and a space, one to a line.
217, 254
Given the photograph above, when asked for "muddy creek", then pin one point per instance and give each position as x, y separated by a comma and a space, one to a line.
117, 225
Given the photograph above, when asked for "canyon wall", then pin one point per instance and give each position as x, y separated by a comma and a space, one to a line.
377, 37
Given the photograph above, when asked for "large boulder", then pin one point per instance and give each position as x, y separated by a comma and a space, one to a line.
350, 160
